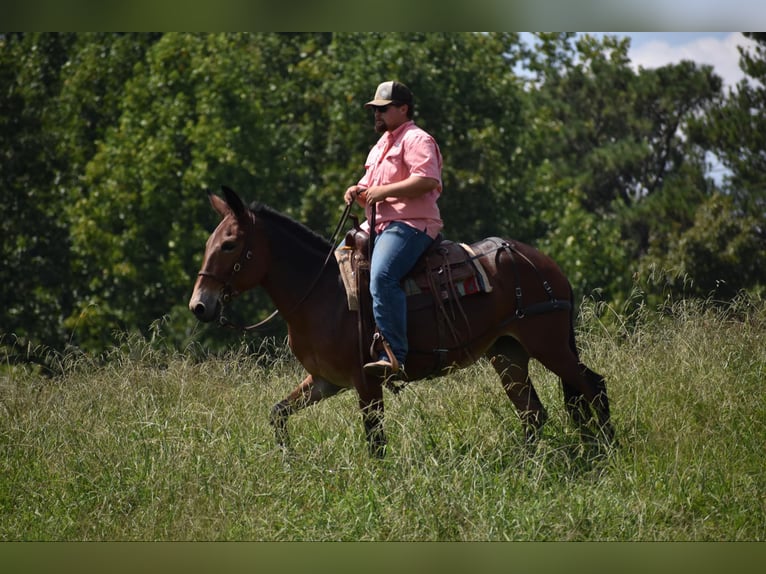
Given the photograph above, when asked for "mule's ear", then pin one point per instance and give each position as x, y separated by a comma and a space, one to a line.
233, 200
218, 204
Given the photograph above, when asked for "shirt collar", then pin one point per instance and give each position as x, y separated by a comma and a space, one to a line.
394, 135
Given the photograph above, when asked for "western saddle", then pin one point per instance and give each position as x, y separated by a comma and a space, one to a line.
447, 272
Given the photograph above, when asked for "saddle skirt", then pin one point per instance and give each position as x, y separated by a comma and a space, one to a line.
446, 271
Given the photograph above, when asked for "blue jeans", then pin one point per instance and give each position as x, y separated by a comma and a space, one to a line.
396, 251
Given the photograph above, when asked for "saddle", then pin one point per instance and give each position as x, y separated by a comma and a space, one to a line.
446, 271
444, 274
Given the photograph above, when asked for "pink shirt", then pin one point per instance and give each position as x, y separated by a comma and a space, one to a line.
406, 151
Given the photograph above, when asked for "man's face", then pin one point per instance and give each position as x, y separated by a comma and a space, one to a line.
389, 117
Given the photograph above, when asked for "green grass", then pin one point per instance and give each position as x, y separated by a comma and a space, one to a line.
156, 445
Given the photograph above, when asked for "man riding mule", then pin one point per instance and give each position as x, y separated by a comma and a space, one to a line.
399, 190
525, 312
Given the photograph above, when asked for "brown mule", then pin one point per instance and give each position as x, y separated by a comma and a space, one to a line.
527, 314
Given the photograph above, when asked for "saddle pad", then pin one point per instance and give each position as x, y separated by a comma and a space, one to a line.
481, 273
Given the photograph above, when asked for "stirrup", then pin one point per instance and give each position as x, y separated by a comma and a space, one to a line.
394, 362
381, 368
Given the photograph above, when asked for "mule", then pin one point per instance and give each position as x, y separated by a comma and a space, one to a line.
257, 246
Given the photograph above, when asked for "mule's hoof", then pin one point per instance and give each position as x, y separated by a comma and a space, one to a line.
378, 451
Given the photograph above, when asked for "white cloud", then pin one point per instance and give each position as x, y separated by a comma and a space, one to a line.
655, 49
719, 50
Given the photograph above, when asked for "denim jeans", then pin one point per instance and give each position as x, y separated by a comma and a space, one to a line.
396, 251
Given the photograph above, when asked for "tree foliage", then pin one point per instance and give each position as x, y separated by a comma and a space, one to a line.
720, 245
110, 142
607, 150
35, 242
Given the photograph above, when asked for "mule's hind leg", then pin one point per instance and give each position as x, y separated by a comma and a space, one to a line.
576, 404
309, 392
511, 362
584, 389
600, 402
553, 344
579, 408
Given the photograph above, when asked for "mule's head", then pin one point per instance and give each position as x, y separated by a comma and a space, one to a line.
235, 258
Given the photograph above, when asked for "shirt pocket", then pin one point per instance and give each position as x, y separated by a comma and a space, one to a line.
392, 166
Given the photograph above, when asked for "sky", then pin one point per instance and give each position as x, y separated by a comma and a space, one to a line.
654, 49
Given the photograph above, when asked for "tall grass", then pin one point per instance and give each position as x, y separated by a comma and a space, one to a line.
151, 444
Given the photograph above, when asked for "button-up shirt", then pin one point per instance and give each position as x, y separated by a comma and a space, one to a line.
404, 152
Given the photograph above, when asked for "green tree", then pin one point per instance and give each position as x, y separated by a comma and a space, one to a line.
62, 92
189, 120
35, 277
735, 130
715, 253
719, 246
609, 143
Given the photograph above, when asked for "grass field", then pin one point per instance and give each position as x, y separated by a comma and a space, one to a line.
157, 445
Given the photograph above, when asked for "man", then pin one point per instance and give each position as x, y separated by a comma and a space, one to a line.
403, 180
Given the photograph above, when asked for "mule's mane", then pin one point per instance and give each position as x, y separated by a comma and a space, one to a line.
294, 228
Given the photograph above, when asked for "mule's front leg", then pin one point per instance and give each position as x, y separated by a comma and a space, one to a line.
309, 392
278, 420
371, 403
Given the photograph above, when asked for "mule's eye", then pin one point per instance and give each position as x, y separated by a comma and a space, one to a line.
228, 246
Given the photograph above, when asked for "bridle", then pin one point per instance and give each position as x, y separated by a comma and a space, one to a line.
228, 292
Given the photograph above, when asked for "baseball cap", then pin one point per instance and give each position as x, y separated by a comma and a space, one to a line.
388, 92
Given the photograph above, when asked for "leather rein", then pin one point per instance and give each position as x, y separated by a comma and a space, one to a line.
228, 292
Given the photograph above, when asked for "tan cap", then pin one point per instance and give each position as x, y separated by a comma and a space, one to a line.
388, 92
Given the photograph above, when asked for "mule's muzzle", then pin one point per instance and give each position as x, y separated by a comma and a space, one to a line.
199, 310
205, 309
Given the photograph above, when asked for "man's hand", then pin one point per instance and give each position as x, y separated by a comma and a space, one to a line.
353, 193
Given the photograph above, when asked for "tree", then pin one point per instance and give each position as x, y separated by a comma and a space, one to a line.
35, 275
189, 120
719, 247
735, 130
712, 256
110, 142
610, 144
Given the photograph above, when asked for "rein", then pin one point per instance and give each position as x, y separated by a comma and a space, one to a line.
228, 293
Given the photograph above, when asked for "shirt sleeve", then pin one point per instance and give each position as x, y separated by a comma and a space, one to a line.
423, 157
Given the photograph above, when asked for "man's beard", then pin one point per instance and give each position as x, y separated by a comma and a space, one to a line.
381, 126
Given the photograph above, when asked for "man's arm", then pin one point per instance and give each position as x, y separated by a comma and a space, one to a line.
413, 186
